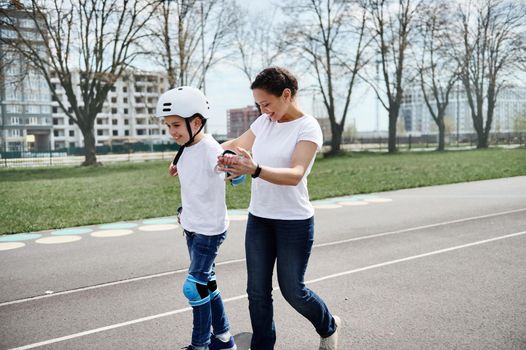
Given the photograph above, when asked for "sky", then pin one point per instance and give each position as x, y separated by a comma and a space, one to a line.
227, 88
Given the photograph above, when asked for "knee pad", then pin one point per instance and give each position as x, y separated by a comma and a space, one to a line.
212, 288
195, 291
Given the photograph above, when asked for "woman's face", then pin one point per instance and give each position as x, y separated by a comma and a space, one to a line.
275, 107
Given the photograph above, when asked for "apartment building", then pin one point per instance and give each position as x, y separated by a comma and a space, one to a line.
128, 114
239, 120
511, 104
25, 98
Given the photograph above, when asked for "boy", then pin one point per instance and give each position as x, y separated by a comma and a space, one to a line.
184, 110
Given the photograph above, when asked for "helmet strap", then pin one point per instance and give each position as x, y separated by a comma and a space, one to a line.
192, 137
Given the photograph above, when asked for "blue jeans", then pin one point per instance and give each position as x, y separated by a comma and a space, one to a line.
289, 242
211, 315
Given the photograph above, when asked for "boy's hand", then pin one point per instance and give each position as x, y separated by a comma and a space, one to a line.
172, 170
236, 165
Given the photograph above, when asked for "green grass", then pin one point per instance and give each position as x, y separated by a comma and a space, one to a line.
45, 198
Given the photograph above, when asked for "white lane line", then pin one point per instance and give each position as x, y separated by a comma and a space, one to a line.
440, 251
375, 235
243, 296
103, 285
109, 284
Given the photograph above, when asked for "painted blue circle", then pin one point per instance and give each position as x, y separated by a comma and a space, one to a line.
118, 225
71, 231
324, 201
351, 199
19, 237
362, 197
160, 221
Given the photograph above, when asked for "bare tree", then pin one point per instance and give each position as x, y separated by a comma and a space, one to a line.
258, 42
493, 50
190, 36
437, 67
97, 38
330, 37
392, 25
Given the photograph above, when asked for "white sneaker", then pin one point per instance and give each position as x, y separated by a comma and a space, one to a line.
331, 343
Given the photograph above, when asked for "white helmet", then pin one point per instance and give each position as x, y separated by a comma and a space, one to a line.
184, 101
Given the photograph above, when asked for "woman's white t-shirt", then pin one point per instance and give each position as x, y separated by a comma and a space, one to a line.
273, 147
202, 188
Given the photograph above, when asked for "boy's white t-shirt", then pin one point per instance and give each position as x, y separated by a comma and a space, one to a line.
202, 189
273, 147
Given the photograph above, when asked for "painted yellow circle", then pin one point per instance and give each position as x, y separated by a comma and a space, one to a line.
327, 206
111, 233
353, 204
158, 227
237, 217
11, 245
58, 239
379, 200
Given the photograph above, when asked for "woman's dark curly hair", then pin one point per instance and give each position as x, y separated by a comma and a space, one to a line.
274, 80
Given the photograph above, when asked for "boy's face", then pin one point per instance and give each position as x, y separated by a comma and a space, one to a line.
177, 128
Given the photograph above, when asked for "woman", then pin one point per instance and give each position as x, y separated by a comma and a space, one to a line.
280, 226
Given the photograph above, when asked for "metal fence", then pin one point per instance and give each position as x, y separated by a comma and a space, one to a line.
75, 156
452, 141
143, 152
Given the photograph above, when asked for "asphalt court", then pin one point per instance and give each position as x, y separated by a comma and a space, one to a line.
450, 277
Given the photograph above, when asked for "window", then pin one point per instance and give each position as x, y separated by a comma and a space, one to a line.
72, 133
70, 121
14, 132
13, 109
15, 120
126, 132
99, 132
124, 89
113, 89
10, 34
114, 122
126, 121
125, 100
99, 121
115, 133
125, 110
55, 109
114, 111
114, 100
26, 23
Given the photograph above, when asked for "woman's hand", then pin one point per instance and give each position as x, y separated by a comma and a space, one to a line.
236, 165
172, 170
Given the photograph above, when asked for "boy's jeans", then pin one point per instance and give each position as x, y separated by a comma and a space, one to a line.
288, 242
203, 251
